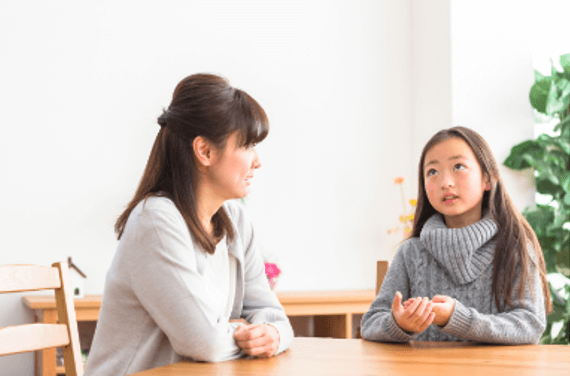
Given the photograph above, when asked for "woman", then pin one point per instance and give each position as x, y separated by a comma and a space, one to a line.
187, 280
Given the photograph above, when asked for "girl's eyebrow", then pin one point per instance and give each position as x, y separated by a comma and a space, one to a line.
435, 161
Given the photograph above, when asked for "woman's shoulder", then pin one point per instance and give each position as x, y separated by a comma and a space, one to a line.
236, 212
156, 208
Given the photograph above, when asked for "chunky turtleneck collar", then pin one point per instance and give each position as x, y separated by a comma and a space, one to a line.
465, 252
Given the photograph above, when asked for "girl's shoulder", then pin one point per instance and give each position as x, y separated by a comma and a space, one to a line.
410, 248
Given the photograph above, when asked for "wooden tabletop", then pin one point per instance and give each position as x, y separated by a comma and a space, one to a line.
326, 356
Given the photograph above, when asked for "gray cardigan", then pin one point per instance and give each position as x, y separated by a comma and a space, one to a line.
156, 309
457, 263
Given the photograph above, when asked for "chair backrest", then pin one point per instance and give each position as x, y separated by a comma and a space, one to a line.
33, 337
381, 269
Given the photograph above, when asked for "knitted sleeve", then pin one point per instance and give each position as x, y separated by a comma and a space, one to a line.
378, 324
522, 324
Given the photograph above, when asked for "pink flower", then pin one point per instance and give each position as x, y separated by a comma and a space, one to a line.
271, 282
272, 271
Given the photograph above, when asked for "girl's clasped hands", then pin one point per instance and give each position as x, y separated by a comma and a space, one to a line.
416, 314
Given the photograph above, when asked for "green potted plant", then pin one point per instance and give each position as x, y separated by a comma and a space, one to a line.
549, 156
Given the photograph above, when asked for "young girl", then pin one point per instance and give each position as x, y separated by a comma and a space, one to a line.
472, 267
187, 280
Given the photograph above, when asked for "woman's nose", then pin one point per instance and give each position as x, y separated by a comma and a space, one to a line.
256, 160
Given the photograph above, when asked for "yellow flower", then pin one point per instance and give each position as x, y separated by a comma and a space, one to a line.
413, 202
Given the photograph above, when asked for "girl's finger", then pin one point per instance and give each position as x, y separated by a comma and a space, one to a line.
428, 321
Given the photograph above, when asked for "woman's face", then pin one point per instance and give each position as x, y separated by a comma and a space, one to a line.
232, 169
454, 182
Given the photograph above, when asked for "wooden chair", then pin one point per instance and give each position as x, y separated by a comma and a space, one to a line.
33, 337
381, 269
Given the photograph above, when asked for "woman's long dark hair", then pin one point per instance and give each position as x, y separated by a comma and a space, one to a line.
511, 257
202, 105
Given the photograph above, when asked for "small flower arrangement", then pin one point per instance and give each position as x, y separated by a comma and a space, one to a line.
272, 272
406, 220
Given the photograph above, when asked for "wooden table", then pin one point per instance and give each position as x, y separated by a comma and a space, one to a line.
332, 312
332, 357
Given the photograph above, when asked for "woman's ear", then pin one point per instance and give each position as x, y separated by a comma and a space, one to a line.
202, 151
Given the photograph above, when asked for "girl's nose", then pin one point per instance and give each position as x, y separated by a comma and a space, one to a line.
447, 182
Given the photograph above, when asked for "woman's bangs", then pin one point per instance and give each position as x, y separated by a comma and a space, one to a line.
252, 122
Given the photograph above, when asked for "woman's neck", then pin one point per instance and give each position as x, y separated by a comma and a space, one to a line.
207, 204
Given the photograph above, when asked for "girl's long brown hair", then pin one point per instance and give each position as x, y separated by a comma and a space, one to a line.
202, 105
511, 257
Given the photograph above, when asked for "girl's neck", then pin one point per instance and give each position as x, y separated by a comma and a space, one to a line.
464, 220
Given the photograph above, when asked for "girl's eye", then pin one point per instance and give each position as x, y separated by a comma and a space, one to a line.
431, 172
459, 166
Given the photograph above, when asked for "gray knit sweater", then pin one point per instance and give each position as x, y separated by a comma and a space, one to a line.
458, 263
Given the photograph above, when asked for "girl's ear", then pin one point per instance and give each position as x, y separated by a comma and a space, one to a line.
487, 182
202, 151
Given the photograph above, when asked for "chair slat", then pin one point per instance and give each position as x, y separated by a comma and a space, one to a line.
17, 278
66, 314
32, 337
381, 270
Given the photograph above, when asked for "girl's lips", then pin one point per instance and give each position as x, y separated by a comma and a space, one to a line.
449, 199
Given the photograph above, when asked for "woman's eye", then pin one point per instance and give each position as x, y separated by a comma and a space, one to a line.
459, 166
431, 172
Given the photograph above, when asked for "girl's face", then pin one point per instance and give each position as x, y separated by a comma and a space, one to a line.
232, 169
454, 182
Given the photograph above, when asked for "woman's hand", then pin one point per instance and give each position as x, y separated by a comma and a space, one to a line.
443, 308
415, 317
240, 321
257, 340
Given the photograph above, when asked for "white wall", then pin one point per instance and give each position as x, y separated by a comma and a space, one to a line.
492, 74
472, 66
81, 85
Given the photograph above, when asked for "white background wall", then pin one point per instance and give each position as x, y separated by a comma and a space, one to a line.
353, 90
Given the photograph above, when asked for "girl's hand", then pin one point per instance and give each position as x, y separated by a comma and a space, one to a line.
416, 317
443, 308
257, 340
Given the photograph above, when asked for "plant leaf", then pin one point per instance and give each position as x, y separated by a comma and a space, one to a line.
563, 123
565, 62
558, 97
538, 94
565, 182
524, 155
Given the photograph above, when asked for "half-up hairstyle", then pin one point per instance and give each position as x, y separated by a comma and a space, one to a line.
202, 105
511, 257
